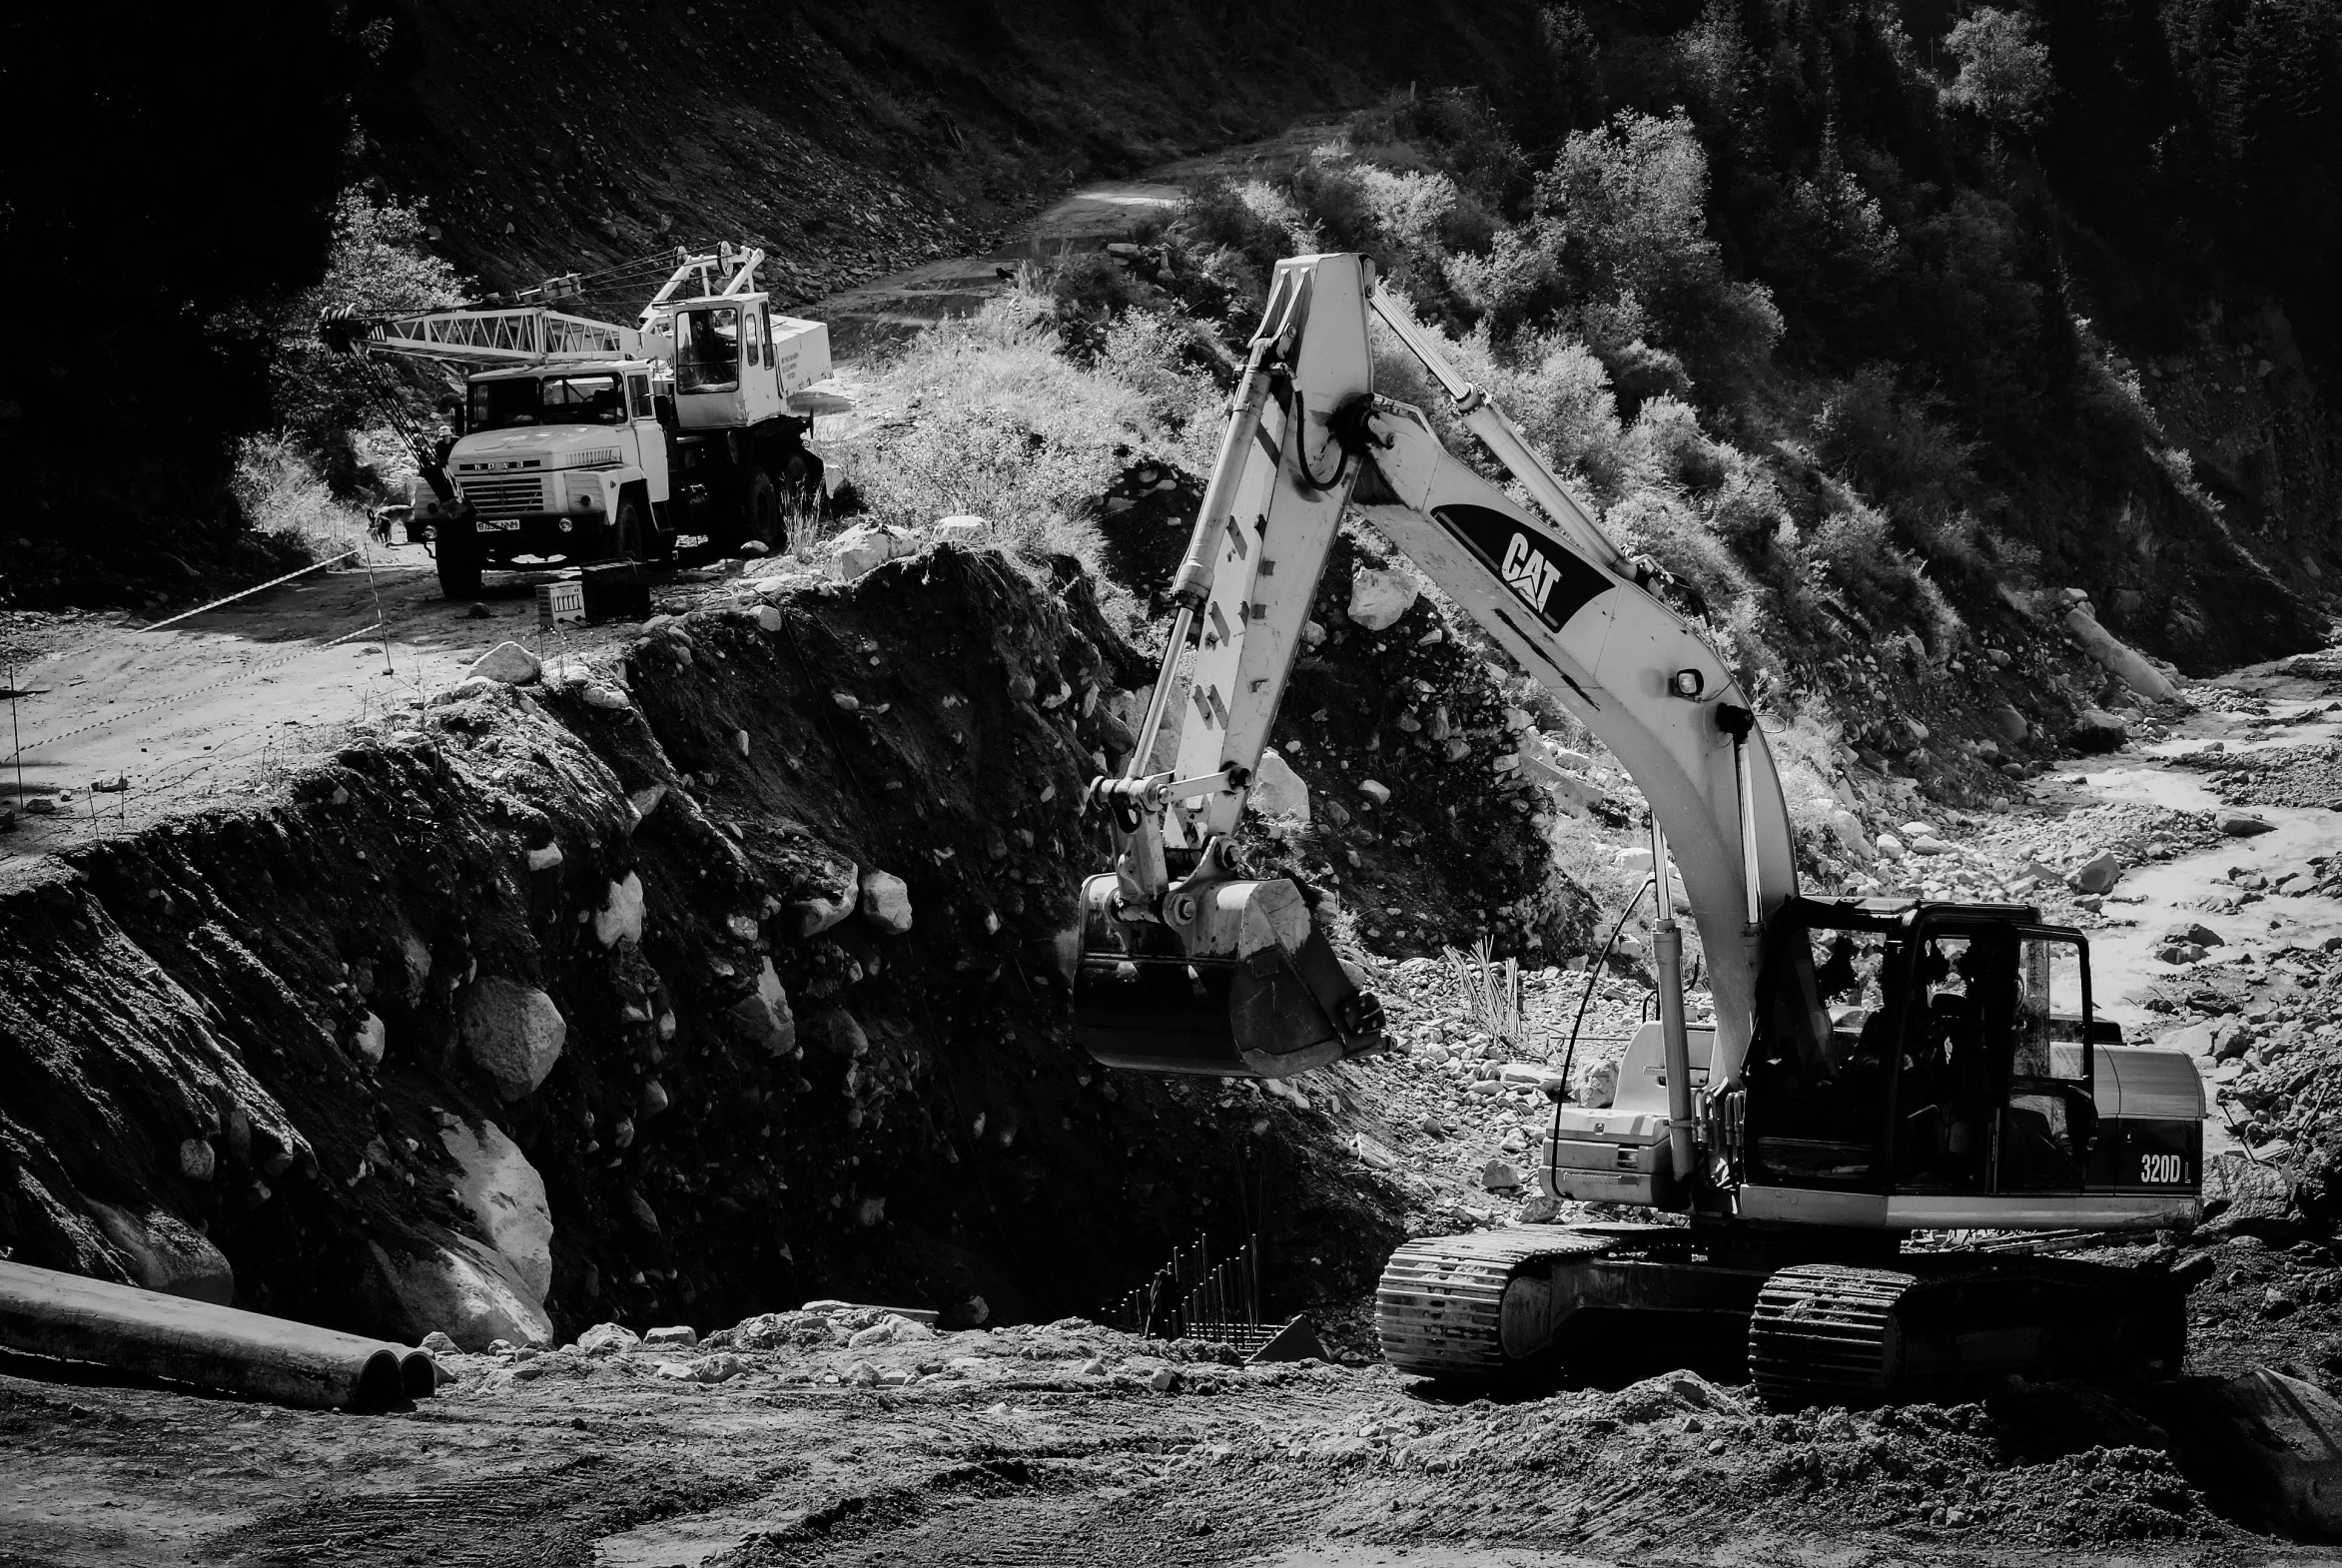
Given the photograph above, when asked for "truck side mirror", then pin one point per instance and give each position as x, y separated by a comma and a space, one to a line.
663, 406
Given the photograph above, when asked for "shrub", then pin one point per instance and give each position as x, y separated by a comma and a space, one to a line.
2004, 70
378, 265
1550, 387
1893, 444
1651, 522
1668, 447
1249, 217
1853, 550
279, 491
1624, 211
999, 423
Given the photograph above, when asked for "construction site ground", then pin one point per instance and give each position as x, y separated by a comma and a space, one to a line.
1073, 1443
1069, 1443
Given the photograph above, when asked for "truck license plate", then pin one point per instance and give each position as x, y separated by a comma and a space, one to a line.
500, 525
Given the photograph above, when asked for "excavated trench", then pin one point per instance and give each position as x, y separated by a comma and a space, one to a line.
745, 944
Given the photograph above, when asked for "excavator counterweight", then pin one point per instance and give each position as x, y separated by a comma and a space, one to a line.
1873, 1068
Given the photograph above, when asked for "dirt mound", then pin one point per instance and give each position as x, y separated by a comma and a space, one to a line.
2048, 1464
744, 944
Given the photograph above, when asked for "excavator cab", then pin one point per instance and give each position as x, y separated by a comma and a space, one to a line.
1947, 1056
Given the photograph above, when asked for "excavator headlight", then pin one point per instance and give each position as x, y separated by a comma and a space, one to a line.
1687, 684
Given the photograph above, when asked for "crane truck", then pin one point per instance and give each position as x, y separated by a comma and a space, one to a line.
579, 440
1875, 1066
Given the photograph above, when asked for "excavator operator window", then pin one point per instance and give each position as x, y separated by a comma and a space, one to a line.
707, 357
1821, 1060
1946, 1066
2049, 1116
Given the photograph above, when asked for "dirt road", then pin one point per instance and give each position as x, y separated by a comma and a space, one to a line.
221, 704
117, 727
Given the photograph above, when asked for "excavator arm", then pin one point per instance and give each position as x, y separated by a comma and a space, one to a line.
1190, 966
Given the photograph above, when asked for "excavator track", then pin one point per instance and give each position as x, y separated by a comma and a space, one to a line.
1824, 1332
1837, 1335
1439, 1309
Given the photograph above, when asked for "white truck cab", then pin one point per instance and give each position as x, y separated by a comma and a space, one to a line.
737, 363
551, 452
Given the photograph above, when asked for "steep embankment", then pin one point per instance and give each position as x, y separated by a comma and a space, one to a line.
850, 139
615, 917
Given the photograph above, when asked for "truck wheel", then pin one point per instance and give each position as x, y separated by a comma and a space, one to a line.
805, 486
627, 531
459, 559
764, 512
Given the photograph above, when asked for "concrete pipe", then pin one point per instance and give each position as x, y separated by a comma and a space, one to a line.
76, 1320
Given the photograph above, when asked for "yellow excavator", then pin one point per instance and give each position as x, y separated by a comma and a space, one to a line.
1875, 1066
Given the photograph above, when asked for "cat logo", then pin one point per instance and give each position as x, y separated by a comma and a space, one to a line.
1547, 577
1532, 576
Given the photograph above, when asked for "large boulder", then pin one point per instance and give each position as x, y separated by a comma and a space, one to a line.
507, 662
505, 1199
2268, 1446
865, 547
1380, 598
821, 908
166, 1253
885, 902
514, 1031
2098, 874
2095, 729
1848, 829
1277, 791
764, 1014
463, 1290
2120, 659
620, 917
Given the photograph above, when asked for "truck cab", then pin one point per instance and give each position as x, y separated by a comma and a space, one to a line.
555, 463
740, 455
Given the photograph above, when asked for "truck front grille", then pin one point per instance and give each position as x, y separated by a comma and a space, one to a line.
506, 497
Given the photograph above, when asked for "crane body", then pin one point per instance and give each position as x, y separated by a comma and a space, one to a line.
1873, 1066
583, 439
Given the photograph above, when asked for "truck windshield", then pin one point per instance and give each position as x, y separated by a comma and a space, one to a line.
550, 399
580, 400
499, 405
707, 350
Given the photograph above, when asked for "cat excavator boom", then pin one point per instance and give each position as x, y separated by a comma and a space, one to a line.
1965, 1084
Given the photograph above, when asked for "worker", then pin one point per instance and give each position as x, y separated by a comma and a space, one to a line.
1838, 976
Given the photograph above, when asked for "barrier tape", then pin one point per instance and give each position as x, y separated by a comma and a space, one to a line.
238, 678
248, 593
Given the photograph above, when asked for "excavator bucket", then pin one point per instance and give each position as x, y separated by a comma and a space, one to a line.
1268, 1010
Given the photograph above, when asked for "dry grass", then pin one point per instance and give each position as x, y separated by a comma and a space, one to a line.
1490, 991
1000, 424
281, 494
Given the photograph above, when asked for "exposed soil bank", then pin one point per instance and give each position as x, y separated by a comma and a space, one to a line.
736, 1093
